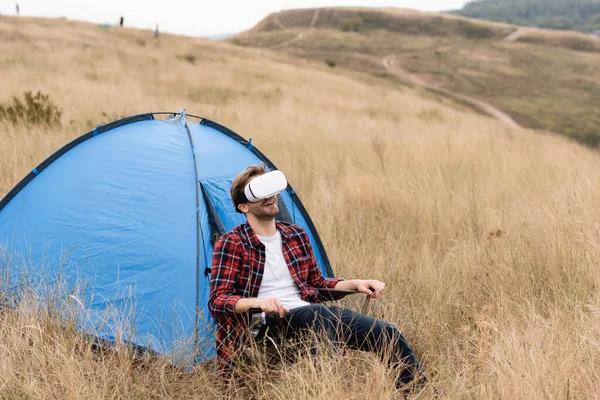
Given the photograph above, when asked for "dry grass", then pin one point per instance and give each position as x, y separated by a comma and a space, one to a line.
487, 237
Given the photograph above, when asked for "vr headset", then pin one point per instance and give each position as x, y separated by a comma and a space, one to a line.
265, 186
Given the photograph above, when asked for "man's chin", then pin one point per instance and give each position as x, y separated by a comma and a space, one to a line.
265, 217
268, 215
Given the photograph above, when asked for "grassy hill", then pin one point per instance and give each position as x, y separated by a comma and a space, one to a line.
542, 79
580, 15
486, 235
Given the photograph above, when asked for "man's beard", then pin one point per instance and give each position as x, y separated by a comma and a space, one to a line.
260, 212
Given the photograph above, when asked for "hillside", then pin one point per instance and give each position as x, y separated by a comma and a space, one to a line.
579, 15
541, 79
486, 235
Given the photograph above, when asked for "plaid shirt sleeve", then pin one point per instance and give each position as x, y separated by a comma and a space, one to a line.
225, 273
315, 277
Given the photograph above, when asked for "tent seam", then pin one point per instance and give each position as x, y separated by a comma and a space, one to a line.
199, 239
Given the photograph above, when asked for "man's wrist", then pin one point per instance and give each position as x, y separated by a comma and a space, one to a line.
245, 304
347, 284
254, 303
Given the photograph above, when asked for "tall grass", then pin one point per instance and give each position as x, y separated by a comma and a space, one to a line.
488, 238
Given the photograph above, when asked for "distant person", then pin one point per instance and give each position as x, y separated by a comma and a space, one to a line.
18, 10
156, 31
121, 21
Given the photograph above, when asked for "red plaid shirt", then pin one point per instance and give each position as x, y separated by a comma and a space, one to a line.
237, 270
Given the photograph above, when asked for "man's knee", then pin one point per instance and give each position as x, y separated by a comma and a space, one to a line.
381, 333
391, 330
392, 334
376, 327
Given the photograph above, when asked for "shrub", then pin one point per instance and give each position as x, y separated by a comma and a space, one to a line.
581, 44
35, 109
190, 58
431, 114
352, 24
110, 117
474, 31
330, 63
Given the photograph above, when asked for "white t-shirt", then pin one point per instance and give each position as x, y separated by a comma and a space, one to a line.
277, 280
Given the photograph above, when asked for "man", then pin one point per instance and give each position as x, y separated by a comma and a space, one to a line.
270, 265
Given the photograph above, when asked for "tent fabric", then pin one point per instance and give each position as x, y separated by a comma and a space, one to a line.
127, 209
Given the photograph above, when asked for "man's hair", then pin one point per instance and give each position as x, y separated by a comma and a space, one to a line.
241, 180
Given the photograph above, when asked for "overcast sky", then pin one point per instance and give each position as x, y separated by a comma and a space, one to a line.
195, 17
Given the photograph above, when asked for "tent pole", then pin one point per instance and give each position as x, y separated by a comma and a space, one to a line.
198, 227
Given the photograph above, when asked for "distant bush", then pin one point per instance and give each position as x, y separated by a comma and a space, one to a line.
189, 58
581, 44
431, 114
352, 24
110, 117
330, 63
35, 109
590, 140
569, 42
474, 31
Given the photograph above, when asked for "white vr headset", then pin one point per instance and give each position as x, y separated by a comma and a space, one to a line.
265, 186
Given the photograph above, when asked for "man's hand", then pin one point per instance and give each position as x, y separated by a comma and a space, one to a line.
271, 306
373, 288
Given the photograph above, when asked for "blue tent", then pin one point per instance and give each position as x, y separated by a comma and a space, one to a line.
132, 209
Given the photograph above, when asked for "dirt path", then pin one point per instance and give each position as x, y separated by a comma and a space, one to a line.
514, 35
277, 22
388, 63
314, 18
299, 36
392, 68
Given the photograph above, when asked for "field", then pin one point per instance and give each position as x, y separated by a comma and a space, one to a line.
487, 236
542, 79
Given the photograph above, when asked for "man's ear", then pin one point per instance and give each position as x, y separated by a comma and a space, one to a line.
243, 208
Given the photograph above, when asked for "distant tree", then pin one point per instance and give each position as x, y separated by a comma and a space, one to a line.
352, 24
581, 15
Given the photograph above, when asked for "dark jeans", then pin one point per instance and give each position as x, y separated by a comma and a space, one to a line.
352, 329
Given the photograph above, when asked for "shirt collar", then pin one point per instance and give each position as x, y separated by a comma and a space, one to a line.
255, 241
